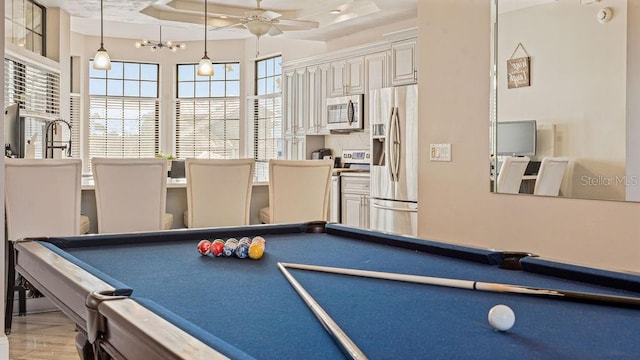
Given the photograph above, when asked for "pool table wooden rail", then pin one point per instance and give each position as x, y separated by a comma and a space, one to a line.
103, 320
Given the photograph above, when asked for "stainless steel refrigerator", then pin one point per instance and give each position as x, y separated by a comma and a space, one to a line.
393, 114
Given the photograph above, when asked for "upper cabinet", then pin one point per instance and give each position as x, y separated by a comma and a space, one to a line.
377, 70
295, 104
289, 103
403, 62
317, 95
347, 77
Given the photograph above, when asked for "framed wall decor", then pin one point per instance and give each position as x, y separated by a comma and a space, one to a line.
518, 70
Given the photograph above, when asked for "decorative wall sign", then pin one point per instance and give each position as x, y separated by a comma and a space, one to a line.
518, 70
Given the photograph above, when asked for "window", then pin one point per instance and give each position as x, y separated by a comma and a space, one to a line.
208, 112
123, 110
267, 115
37, 91
25, 24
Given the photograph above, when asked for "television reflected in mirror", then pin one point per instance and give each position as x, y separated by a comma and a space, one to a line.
517, 138
14, 135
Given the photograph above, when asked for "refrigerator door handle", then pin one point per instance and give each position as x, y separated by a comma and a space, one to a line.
393, 145
378, 206
397, 145
388, 148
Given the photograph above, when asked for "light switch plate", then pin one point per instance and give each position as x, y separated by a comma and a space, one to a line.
440, 152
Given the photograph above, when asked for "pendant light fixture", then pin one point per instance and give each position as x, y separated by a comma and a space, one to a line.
102, 61
205, 68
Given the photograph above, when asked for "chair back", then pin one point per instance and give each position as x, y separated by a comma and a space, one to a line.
299, 190
42, 197
131, 194
218, 191
550, 176
510, 175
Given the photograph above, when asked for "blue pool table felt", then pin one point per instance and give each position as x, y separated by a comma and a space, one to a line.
250, 305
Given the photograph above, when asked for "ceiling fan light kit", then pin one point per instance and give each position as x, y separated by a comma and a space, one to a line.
260, 21
258, 27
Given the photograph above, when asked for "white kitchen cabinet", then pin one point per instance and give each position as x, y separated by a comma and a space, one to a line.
302, 101
403, 62
347, 76
289, 106
377, 70
295, 102
317, 95
355, 200
294, 147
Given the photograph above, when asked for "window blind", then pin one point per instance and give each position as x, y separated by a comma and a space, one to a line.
208, 128
123, 127
266, 115
74, 120
37, 91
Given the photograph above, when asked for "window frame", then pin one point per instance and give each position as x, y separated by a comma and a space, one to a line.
144, 105
15, 24
191, 146
262, 165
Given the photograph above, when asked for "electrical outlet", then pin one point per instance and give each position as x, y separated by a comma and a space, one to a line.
440, 152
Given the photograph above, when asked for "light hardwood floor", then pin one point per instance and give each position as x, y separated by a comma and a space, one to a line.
42, 336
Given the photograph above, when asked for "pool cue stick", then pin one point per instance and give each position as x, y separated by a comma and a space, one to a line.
605, 299
339, 336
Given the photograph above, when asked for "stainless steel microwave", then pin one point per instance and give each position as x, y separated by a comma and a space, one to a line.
345, 112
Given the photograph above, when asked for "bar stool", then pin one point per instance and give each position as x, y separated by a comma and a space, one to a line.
131, 194
218, 192
42, 198
298, 191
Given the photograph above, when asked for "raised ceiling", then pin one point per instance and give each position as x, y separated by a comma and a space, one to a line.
181, 19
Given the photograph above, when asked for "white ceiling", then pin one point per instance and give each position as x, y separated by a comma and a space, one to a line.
182, 20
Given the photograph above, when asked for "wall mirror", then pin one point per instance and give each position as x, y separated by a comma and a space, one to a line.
563, 90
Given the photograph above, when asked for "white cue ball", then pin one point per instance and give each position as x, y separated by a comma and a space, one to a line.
501, 317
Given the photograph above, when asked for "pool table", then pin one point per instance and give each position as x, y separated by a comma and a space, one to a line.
153, 296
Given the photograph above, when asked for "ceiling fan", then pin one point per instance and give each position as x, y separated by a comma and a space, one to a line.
260, 21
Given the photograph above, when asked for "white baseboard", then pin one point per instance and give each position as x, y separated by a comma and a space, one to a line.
4, 346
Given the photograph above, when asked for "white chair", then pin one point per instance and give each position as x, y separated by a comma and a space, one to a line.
131, 194
42, 198
298, 191
218, 192
510, 175
550, 176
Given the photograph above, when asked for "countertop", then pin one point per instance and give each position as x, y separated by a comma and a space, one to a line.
88, 183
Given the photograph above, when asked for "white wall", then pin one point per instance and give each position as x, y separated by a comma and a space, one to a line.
578, 84
455, 202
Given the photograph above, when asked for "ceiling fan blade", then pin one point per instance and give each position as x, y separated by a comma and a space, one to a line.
268, 14
274, 31
297, 24
236, 24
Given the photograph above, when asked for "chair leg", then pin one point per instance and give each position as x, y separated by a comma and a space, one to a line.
22, 287
11, 282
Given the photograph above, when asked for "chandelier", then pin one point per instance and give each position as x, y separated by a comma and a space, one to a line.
155, 45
